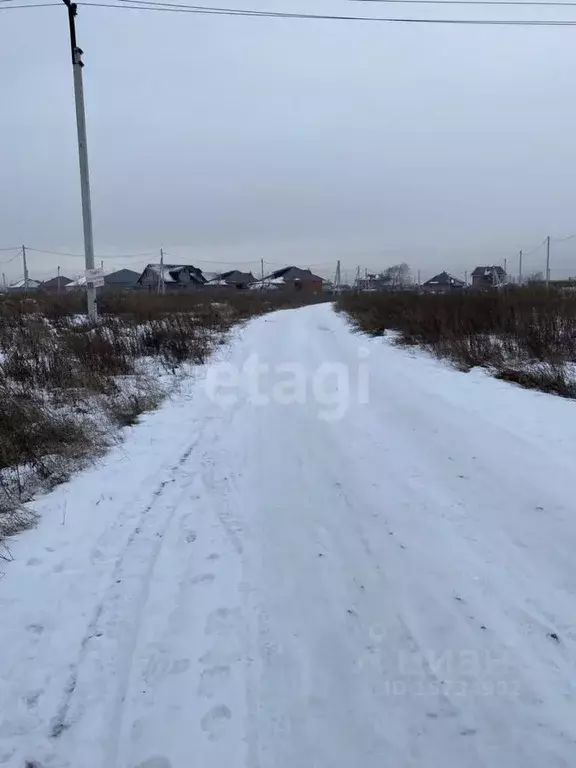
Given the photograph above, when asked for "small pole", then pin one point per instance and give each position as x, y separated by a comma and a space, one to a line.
337, 277
25, 268
58, 281
505, 268
418, 278
161, 287
466, 277
262, 271
520, 268
4, 281
83, 158
548, 261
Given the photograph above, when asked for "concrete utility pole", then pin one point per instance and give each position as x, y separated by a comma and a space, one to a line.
25, 267
83, 158
4, 281
548, 260
520, 268
161, 284
337, 277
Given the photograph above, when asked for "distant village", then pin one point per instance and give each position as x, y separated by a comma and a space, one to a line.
166, 278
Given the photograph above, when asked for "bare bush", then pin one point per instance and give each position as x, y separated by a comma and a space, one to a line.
526, 334
67, 384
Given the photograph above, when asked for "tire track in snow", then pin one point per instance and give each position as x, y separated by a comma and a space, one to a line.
114, 735
61, 720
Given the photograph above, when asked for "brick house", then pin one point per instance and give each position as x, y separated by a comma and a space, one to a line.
174, 277
443, 283
488, 277
234, 278
296, 278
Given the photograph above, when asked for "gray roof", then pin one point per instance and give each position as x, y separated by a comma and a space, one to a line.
294, 273
488, 271
54, 282
444, 278
171, 273
124, 276
236, 276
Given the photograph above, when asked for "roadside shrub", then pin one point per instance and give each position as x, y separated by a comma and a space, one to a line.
526, 334
66, 384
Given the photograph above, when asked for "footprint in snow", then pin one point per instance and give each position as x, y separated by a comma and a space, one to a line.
203, 578
179, 667
36, 629
213, 678
223, 621
214, 721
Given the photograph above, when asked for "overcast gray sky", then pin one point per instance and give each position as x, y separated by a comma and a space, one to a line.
236, 139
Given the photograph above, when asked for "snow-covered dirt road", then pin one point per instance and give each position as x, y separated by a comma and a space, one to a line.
365, 577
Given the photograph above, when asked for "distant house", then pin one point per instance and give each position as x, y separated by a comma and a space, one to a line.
488, 277
20, 285
371, 282
74, 285
295, 278
55, 284
174, 277
443, 283
234, 278
122, 279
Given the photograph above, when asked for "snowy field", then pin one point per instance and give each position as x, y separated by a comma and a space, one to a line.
327, 552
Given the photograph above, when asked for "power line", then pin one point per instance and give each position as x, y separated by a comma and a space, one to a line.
539, 3
216, 11
563, 239
209, 10
81, 255
9, 261
214, 261
32, 5
529, 253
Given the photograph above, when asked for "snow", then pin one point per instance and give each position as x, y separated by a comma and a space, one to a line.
291, 575
22, 284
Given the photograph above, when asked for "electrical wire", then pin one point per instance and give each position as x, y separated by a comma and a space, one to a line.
563, 239
213, 261
32, 5
529, 253
538, 3
210, 10
216, 11
81, 255
9, 261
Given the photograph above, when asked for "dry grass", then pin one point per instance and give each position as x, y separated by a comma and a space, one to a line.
66, 385
526, 335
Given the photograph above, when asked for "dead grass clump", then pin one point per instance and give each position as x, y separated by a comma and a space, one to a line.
526, 335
